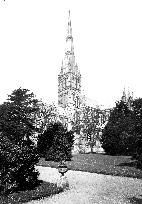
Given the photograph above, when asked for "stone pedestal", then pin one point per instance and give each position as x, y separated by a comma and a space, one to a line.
63, 182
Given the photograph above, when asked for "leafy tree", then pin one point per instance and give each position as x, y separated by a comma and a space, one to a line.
89, 125
56, 142
45, 115
117, 133
17, 152
137, 130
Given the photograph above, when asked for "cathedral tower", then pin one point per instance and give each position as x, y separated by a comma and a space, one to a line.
69, 78
127, 98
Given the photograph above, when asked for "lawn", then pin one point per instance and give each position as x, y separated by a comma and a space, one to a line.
45, 189
99, 163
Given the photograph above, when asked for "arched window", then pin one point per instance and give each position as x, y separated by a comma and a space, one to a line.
77, 103
77, 83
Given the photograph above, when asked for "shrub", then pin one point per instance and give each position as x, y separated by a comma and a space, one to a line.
56, 143
17, 165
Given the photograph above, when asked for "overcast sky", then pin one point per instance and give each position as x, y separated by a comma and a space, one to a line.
107, 41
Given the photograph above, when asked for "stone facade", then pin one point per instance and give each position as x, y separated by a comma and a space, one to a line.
127, 98
70, 100
69, 81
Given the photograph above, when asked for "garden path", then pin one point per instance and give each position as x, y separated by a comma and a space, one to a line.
91, 188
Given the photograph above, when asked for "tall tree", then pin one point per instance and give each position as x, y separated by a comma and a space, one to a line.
90, 121
89, 125
117, 131
17, 151
17, 115
137, 130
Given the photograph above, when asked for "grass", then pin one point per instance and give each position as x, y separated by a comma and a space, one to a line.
45, 189
99, 163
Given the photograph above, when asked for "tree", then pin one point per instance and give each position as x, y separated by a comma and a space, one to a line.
56, 142
89, 125
17, 115
17, 151
117, 133
45, 115
137, 130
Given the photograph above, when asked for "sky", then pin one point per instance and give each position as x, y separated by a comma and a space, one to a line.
107, 43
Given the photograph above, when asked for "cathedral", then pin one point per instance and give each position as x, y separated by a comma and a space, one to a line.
127, 98
69, 81
71, 102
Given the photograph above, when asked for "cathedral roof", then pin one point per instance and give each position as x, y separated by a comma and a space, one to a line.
89, 102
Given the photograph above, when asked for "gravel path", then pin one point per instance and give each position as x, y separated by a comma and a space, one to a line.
91, 188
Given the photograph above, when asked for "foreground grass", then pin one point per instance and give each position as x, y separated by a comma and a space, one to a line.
45, 189
99, 163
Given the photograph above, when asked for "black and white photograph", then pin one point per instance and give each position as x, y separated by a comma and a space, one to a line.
71, 102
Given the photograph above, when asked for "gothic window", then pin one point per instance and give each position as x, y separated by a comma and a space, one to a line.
60, 101
59, 87
73, 97
79, 83
74, 117
65, 82
70, 79
77, 102
63, 99
88, 137
76, 83
73, 84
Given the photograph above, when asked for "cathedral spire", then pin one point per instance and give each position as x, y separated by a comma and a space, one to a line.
124, 98
69, 79
69, 38
69, 31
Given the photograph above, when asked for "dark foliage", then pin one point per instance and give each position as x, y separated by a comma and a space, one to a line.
17, 152
117, 134
44, 189
123, 132
56, 143
17, 115
17, 165
137, 131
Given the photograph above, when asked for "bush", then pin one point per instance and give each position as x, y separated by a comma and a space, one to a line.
17, 165
56, 143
